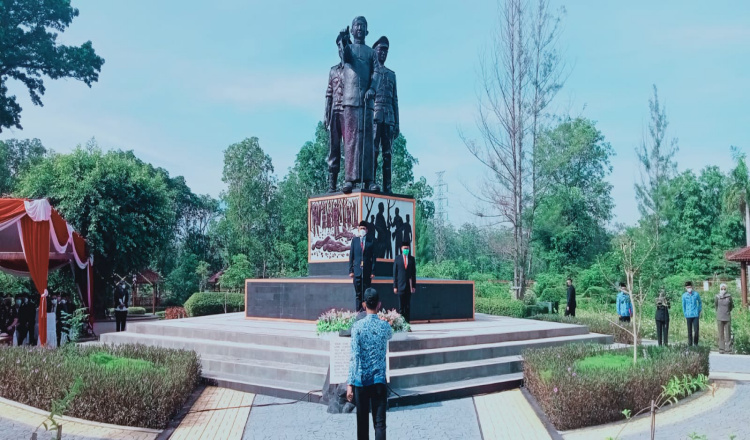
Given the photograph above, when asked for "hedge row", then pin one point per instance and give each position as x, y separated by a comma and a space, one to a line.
131, 385
212, 303
507, 307
574, 397
596, 322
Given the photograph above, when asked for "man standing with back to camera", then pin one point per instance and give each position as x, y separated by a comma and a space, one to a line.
366, 382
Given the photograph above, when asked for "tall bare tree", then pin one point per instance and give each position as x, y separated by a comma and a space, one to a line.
656, 156
521, 74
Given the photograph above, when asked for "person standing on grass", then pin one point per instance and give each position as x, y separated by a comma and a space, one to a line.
724, 306
691, 308
367, 388
570, 305
624, 306
662, 318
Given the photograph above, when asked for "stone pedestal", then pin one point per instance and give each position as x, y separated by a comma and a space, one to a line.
333, 220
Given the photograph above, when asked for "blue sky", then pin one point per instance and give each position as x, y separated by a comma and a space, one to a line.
183, 80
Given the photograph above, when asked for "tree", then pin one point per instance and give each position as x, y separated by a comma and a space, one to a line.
29, 50
635, 251
249, 224
184, 279
738, 193
574, 162
657, 167
520, 77
238, 271
117, 202
17, 156
203, 270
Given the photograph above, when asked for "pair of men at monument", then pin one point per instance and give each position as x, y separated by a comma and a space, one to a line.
362, 262
361, 110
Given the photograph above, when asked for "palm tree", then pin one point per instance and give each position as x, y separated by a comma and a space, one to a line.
738, 192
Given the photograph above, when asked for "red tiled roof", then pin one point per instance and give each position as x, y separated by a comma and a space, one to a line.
215, 277
739, 255
148, 276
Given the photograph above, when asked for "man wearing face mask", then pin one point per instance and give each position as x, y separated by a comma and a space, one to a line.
404, 279
361, 262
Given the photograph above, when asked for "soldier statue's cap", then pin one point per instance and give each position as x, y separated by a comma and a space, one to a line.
382, 40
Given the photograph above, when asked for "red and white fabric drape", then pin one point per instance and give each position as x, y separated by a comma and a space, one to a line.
41, 231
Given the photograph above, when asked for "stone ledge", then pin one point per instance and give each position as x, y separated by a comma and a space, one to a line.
40, 412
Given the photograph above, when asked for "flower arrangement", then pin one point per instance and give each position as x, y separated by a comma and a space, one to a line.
395, 320
336, 320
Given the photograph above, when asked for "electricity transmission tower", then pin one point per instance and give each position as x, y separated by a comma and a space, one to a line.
441, 216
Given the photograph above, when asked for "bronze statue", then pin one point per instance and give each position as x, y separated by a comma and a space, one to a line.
334, 117
359, 65
386, 110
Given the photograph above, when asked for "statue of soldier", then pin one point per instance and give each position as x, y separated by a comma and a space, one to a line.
334, 117
386, 110
359, 64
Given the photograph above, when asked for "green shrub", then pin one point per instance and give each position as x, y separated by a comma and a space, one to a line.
546, 281
488, 289
212, 303
554, 294
741, 330
131, 385
575, 397
597, 321
161, 315
502, 307
600, 295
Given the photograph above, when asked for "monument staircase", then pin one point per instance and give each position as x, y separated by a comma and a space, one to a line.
437, 361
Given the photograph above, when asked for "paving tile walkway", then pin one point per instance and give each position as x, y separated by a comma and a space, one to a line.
218, 414
453, 419
18, 422
508, 415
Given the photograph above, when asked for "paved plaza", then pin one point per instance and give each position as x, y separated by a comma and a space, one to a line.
718, 414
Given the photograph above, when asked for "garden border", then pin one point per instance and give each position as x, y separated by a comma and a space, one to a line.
38, 411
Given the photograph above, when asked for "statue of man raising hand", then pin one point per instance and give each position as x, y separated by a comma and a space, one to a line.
359, 65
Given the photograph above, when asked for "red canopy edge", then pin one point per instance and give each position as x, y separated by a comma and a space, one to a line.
39, 227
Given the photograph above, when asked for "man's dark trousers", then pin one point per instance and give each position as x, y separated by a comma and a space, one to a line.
692, 324
570, 311
369, 397
21, 332
404, 305
121, 316
662, 332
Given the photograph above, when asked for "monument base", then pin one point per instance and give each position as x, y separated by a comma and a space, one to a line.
305, 299
288, 359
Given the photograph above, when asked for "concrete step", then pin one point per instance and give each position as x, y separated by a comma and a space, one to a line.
454, 390
454, 372
304, 376
275, 388
205, 347
183, 329
463, 353
412, 343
